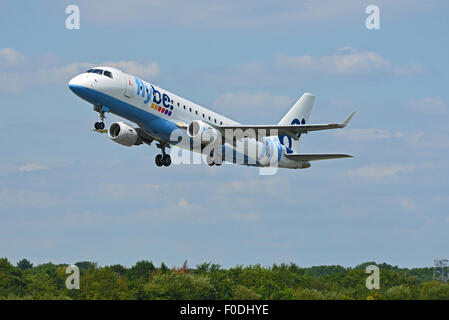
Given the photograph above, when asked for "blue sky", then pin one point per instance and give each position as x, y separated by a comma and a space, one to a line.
68, 194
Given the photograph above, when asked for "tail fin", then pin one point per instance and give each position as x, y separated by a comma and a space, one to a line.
298, 114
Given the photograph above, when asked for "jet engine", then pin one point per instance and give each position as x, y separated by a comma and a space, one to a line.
124, 134
201, 132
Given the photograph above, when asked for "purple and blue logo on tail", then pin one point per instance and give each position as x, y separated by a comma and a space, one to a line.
288, 146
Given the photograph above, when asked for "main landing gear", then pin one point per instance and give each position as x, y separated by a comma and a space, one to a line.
211, 160
162, 159
101, 110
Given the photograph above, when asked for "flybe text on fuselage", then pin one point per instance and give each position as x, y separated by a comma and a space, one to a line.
160, 102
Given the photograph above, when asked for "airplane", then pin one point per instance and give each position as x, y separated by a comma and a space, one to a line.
168, 119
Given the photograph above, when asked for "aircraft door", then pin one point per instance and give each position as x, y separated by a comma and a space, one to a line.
129, 87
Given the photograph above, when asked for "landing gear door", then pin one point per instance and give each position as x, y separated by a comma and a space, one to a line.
129, 87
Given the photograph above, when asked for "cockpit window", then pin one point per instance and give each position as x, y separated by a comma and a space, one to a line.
99, 71
108, 73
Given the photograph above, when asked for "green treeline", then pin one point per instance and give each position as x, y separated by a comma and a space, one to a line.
211, 281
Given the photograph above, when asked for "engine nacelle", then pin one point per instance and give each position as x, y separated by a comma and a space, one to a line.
124, 134
201, 132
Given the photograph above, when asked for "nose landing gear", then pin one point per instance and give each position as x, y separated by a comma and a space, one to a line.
101, 110
99, 125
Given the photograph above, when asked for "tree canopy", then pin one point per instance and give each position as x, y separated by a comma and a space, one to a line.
212, 281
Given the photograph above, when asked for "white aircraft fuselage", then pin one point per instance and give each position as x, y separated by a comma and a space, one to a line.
165, 117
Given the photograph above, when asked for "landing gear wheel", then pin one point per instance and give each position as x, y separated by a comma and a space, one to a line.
210, 160
217, 159
101, 110
166, 160
158, 160
214, 159
162, 159
99, 125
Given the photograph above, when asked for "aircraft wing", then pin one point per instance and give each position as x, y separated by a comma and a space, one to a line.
144, 135
289, 130
314, 157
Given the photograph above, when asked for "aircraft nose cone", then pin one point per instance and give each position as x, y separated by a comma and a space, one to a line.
74, 84
79, 85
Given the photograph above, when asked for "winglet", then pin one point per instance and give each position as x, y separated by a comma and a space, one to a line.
345, 123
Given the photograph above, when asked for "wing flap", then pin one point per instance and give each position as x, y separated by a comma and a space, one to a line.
314, 157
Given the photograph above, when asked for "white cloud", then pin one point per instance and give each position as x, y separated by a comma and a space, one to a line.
11, 58
183, 203
346, 61
147, 70
378, 172
285, 69
48, 70
409, 69
31, 167
275, 15
429, 105
429, 141
256, 105
250, 74
407, 204
367, 134
14, 81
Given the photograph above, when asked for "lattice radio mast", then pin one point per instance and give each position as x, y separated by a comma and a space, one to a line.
441, 270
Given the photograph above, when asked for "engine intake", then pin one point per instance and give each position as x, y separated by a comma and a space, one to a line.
124, 134
201, 132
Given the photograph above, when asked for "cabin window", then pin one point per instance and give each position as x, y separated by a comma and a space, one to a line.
109, 74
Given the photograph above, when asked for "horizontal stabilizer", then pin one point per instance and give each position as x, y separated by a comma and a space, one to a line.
314, 157
289, 130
